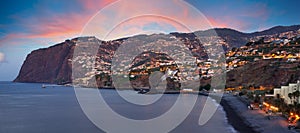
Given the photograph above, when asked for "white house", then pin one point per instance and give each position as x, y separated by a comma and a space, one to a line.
284, 91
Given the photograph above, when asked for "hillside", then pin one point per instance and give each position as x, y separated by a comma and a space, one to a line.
275, 72
54, 64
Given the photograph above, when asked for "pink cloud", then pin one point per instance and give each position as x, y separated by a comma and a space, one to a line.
11, 38
67, 24
58, 27
179, 12
136, 26
54, 27
217, 23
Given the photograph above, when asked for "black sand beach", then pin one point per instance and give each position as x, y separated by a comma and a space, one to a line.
235, 120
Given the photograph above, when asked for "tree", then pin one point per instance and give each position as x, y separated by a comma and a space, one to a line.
290, 95
207, 87
234, 49
277, 96
296, 95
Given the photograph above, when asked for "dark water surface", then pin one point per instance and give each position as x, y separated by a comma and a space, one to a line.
29, 108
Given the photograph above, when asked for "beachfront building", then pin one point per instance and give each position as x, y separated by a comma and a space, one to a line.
286, 91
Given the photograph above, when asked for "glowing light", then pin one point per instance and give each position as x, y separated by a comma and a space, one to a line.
266, 104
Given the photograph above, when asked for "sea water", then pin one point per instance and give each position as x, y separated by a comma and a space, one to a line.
29, 108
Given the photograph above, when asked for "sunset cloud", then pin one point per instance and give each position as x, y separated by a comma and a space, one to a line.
147, 24
53, 26
29, 25
60, 26
120, 16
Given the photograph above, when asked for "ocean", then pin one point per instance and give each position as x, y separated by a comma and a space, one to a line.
29, 108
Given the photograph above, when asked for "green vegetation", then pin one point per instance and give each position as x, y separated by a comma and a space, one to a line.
206, 87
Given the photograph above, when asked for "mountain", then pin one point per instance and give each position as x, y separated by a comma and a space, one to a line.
232, 37
276, 30
237, 39
54, 64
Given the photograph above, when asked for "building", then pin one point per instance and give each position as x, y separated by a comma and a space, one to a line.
284, 91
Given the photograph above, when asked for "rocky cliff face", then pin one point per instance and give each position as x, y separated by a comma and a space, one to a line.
48, 65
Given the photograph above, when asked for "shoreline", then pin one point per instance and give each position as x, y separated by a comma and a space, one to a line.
239, 117
247, 121
235, 120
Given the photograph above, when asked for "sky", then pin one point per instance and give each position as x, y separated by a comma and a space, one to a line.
33, 24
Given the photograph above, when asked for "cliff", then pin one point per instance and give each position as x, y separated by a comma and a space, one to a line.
48, 65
